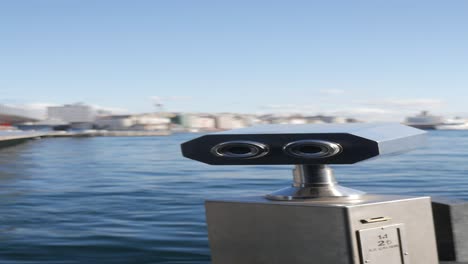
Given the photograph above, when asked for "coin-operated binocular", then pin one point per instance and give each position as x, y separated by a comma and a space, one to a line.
315, 220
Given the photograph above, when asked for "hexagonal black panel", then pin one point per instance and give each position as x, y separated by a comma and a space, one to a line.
358, 141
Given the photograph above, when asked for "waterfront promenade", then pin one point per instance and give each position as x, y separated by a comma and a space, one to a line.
9, 138
13, 137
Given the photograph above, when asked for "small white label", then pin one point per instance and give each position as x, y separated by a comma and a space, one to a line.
382, 245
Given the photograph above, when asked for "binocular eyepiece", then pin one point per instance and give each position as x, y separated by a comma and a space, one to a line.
303, 144
307, 149
239, 149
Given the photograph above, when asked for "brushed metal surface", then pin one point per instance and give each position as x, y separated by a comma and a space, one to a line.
254, 230
276, 234
313, 181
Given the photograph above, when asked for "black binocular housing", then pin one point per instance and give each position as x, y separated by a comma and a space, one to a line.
303, 144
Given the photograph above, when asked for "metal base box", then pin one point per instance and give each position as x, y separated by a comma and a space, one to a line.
372, 229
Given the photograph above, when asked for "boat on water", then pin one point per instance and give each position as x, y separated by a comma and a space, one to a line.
454, 124
424, 120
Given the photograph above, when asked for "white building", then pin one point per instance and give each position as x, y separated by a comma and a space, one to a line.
230, 121
203, 122
146, 122
150, 122
75, 113
121, 122
15, 114
198, 122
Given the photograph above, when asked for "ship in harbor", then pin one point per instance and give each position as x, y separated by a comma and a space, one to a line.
424, 120
454, 124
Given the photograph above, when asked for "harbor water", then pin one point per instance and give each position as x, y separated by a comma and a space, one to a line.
137, 200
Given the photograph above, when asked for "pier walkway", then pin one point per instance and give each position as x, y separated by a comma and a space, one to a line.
9, 138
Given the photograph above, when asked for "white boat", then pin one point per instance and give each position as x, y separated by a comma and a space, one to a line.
424, 120
454, 124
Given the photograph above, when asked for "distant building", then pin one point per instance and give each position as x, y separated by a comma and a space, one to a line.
296, 119
252, 120
142, 122
198, 122
334, 119
13, 115
74, 113
230, 121
150, 122
116, 122
273, 119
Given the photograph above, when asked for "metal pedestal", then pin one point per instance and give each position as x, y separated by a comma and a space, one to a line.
371, 229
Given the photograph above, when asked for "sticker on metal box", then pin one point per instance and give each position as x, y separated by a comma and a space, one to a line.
383, 245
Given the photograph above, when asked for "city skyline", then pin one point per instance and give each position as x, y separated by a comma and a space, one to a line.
40, 111
371, 59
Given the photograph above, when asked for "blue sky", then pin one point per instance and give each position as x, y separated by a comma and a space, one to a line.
384, 59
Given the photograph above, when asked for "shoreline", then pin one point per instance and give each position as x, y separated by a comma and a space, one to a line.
12, 138
105, 133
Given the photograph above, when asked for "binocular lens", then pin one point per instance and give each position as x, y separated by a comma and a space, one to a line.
312, 149
240, 149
